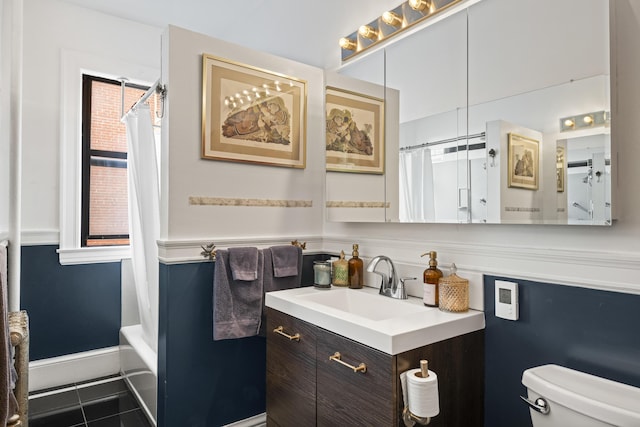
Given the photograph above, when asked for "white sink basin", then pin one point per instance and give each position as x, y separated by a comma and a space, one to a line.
387, 324
373, 307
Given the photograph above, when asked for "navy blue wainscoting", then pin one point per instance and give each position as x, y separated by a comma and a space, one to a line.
202, 383
72, 308
584, 329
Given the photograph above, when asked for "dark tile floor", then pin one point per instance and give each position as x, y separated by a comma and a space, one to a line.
100, 403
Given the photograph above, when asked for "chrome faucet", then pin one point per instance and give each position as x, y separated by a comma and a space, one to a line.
390, 285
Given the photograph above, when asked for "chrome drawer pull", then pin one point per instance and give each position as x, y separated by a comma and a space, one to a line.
360, 368
280, 331
540, 405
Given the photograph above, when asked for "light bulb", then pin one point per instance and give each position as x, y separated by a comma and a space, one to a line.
348, 44
368, 32
419, 5
392, 18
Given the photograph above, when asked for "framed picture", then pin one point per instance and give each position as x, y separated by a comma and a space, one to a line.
560, 168
252, 115
354, 132
524, 163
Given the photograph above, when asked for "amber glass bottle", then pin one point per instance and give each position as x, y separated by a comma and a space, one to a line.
431, 277
356, 267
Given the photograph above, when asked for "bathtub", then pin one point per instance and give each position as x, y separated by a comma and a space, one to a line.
139, 368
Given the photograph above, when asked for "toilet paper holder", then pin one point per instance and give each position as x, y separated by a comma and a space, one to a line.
411, 420
408, 417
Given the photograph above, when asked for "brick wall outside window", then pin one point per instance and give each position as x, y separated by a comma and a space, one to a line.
108, 203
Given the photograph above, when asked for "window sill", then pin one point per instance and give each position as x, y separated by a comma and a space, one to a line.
93, 255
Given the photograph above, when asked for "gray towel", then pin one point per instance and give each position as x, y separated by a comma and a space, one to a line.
237, 304
244, 263
285, 260
273, 283
8, 403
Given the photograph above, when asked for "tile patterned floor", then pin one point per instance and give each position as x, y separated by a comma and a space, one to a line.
100, 403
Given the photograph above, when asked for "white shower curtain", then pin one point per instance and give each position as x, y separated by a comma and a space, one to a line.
416, 186
144, 217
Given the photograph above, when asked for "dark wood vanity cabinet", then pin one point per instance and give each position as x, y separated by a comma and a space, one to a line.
306, 388
350, 398
291, 371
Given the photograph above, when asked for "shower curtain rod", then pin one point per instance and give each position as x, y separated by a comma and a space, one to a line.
157, 87
443, 141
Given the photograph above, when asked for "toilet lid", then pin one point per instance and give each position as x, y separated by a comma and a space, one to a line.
599, 398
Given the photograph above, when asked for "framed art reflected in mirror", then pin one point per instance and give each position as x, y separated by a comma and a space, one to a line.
524, 168
354, 132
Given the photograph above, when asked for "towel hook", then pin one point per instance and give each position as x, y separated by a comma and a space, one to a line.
302, 246
209, 251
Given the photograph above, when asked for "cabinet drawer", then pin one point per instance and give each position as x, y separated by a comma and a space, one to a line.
345, 397
291, 371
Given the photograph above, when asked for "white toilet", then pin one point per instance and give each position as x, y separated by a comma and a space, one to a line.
562, 397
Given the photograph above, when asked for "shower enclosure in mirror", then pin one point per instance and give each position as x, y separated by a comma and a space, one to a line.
538, 69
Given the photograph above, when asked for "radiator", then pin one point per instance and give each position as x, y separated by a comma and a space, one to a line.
19, 330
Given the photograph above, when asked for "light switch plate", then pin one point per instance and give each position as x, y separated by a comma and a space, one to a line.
507, 300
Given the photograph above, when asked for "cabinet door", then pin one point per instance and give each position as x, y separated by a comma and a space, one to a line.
291, 371
348, 398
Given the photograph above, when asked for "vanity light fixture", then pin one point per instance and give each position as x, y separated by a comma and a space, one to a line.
420, 5
584, 121
368, 32
390, 23
392, 18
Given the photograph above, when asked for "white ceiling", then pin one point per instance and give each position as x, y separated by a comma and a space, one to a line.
303, 30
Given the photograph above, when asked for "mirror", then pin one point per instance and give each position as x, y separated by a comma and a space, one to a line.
482, 101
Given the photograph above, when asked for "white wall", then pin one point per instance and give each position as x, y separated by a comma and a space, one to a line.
185, 174
591, 256
51, 26
7, 40
605, 257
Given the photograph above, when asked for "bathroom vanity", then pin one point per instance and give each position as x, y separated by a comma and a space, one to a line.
349, 375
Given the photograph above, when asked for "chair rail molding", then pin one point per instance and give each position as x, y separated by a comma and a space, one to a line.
189, 250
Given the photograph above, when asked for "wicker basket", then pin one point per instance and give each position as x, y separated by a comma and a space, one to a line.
453, 292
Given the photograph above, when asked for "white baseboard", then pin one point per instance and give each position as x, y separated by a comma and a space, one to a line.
259, 420
71, 368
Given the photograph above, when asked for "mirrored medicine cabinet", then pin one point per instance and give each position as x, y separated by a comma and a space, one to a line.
499, 113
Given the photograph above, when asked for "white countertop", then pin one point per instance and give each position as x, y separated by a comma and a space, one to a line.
415, 325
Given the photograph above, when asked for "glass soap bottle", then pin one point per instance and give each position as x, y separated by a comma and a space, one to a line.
340, 271
356, 267
431, 277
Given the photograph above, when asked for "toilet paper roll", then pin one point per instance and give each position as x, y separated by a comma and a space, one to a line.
422, 393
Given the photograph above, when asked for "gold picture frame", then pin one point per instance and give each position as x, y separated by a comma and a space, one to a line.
560, 168
354, 132
252, 115
524, 163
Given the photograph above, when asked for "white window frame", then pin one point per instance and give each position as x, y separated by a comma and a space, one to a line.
74, 65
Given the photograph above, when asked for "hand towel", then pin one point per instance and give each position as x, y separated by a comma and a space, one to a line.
273, 283
244, 263
285, 260
237, 304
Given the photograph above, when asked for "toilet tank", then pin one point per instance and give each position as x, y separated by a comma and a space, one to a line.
578, 399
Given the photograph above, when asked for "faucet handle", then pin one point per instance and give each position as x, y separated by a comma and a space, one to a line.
402, 289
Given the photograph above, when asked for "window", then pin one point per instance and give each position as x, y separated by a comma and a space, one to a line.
75, 65
104, 161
